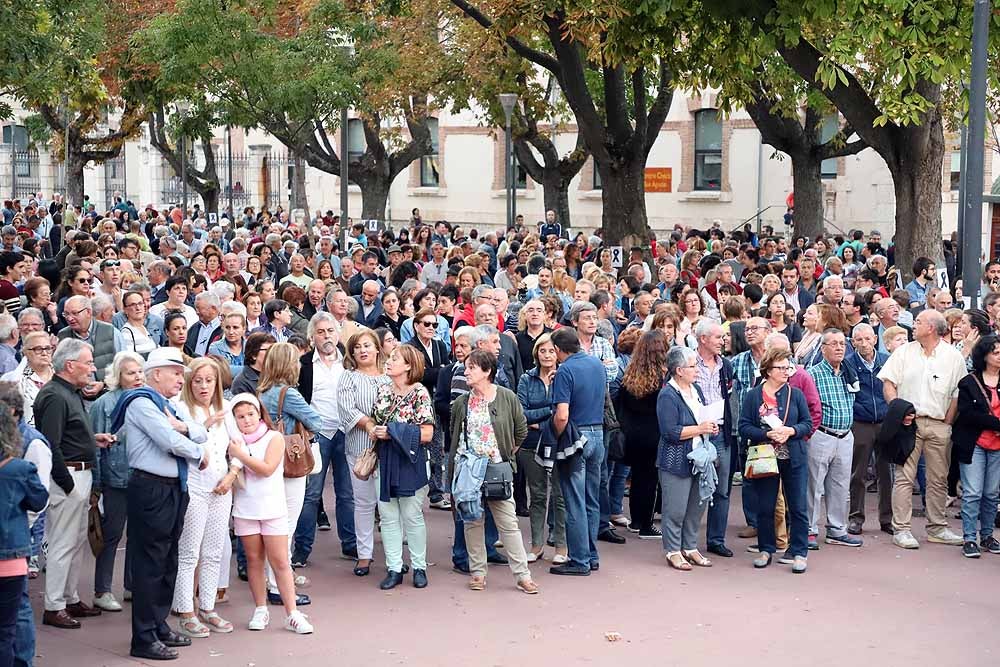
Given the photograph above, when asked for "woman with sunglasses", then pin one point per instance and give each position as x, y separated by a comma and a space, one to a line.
38, 292
34, 370
134, 331
776, 413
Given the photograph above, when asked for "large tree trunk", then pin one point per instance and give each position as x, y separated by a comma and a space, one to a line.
210, 199
374, 197
624, 198
555, 193
74, 177
807, 184
917, 184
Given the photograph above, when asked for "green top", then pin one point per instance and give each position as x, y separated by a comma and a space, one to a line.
509, 425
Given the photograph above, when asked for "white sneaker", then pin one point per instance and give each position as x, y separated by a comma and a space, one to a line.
297, 623
945, 536
107, 602
904, 539
261, 617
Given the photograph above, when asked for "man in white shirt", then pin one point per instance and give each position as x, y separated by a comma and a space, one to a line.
925, 372
319, 381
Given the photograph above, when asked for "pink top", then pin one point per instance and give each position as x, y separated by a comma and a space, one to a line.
15, 567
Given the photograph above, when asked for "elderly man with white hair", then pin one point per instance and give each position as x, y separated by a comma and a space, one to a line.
106, 340
207, 329
869, 411
9, 336
162, 438
833, 290
103, 307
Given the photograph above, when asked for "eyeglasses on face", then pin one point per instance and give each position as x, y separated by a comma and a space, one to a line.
39, 350
783, 369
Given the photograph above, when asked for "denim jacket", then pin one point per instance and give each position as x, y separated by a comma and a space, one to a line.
20, 492
111, 465
536, 399
295, 410
153, 324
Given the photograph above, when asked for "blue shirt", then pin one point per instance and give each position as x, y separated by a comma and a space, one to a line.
918, 293
153, 444
580, 382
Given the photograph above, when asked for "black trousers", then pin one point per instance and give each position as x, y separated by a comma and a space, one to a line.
156, 510
642, 496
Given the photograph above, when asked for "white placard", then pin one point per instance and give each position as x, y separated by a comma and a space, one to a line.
213, 219
942, 278
617, 257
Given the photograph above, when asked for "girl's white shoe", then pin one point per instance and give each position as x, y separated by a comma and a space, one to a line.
261, 617
297, 623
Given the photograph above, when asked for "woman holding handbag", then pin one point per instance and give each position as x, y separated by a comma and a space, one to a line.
403, 415
677, 409
287, 410
775, 415
489, 422
359, 385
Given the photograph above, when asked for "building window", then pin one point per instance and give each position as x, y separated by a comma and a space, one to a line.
18, 134
430, 175
356, 144
707, 150
597, 185
520, 174
956, 170
829, 129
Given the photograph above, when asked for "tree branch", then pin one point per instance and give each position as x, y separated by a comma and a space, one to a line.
519, 47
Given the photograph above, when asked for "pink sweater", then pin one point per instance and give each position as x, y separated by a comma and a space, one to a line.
802, 381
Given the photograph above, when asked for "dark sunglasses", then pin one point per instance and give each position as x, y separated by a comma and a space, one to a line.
110, 262
428, 323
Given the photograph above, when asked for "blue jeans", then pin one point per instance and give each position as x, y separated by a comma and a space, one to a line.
460, 553
980, 491
794, 474
332, 454
748, 492
580, 480
922, 480
618, 472
718, 513
24, 634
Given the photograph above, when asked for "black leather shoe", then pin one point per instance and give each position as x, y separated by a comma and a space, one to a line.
175, 640
155, 651
720, 550
361, 571
350, 553
419, 578
568, 569
610, 535
392, 579
887, 528
301, 599
498, 559
595, 566
241, 572
854, 527
461, 569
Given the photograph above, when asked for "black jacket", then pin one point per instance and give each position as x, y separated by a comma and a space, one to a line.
895, 442
192, 338
430, 370
306, 373
974, 417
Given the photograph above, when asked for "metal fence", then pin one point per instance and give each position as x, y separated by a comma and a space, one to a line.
234, 179
24, 173
115, 183
277, 176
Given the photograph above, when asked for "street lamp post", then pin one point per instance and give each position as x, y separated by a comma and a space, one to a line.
507, 101
344, 148
972, 243
229, 167
183, 107
65, 105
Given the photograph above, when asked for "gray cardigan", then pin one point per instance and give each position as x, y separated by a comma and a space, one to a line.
507, 417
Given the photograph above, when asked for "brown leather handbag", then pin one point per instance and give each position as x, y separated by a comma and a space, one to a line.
299, 460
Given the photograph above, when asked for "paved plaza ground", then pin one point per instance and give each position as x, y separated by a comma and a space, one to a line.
875, 605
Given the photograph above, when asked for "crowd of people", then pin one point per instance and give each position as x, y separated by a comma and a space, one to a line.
189, 385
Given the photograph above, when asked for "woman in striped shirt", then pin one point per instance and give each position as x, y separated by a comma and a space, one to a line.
359, 385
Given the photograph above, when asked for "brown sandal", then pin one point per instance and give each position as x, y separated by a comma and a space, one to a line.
677, 561
695, 557
477, 583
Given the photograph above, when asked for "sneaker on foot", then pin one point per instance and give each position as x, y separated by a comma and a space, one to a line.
107, 602
813, 543
799, 565
905, 540
261, 617
990, 544
970, 550
651, 532
945, 536
786, 559
844, 540
297, 623
322, 521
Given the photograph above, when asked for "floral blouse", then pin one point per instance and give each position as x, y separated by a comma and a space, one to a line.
479, 434
415, 407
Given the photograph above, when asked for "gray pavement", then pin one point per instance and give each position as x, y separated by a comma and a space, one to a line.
874, 605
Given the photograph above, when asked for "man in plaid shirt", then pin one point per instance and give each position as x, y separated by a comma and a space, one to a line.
831, 448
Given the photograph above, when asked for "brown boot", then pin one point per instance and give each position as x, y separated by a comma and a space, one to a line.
747, 533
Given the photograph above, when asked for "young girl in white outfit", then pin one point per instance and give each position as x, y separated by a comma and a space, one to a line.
206, 522
260, 515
